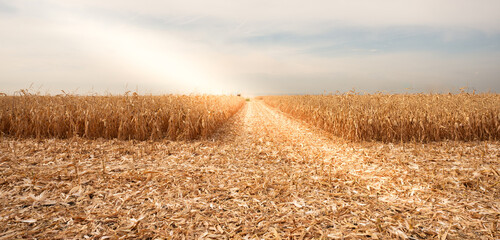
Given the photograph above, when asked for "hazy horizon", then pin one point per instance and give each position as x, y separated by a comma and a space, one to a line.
249, 47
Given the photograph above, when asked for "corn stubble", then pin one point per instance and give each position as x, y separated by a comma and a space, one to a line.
399, 117
262, 175
173, 117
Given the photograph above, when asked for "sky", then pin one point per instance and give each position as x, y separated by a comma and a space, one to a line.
252, 47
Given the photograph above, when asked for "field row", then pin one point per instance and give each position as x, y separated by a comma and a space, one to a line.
398, 118
172, 117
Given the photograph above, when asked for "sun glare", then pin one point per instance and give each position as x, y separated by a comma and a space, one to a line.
160, 59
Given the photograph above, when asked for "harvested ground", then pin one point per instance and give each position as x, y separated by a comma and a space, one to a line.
263, 175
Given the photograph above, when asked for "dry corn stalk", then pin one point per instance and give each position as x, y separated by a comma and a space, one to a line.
133, 116
398, 117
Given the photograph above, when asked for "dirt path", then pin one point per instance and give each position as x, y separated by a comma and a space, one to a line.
263, 175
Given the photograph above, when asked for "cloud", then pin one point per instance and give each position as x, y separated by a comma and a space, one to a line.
266, 47
6, 8
392, 72
480, 14
349, 41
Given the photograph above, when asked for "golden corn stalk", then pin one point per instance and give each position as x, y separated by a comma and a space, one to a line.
398, 117
174, 117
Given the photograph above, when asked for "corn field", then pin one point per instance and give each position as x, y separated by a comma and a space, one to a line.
174, 117
262, 175
399, 117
